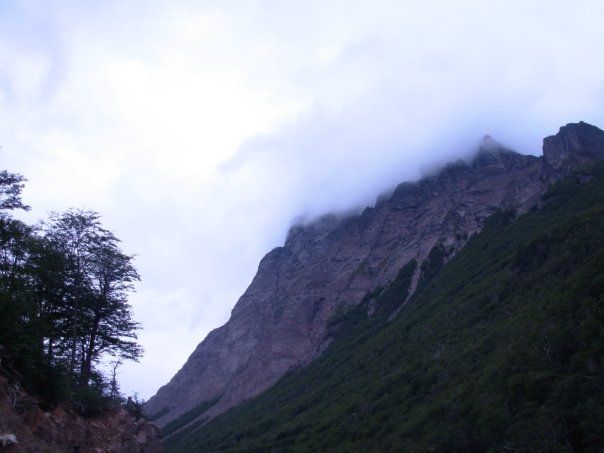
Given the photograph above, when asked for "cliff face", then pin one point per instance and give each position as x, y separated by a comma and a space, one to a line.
25, 427
280, 322
576, 143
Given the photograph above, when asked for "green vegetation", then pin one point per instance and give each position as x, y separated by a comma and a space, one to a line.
501, 350
187, 417
395, 295
158, 414
433, 264
64, 287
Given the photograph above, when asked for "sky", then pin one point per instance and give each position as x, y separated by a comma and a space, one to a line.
201, 130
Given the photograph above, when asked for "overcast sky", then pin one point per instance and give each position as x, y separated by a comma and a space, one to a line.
200, 130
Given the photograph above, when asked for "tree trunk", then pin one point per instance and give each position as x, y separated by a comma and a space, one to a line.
88, 355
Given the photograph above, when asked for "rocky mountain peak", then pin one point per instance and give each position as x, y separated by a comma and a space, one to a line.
491, 151
574, 144
302, 233
488, 143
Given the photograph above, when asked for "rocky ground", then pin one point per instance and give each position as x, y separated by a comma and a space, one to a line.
25, 427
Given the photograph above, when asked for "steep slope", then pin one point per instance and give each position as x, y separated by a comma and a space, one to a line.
26, 427
501, 350
280, 322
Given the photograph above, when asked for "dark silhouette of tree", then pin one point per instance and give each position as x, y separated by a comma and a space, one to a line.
49, 274
11, 185
75, 233
114, 388
110, 328
16, 306
100, 277
64, 288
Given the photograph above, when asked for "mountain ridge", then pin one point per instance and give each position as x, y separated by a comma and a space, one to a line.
280, 322
499, 349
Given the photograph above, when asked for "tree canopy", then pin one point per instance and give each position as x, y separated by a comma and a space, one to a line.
64, 308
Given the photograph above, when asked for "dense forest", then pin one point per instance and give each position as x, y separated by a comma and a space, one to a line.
501, 348
64, 310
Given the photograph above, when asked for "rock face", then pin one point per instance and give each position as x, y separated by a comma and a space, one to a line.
25, 427
280, 322
576, 143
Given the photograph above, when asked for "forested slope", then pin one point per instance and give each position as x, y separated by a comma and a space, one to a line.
499, 349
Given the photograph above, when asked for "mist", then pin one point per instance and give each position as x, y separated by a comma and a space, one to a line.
201, 132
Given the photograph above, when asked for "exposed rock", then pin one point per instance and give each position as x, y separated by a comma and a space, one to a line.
8, 439
32, 430
573, 145
279, 323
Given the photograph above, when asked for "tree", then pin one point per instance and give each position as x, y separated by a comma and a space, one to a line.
16, 304
75, 232
100, 277
11, 185
113, 385
50, 281
110, 329
15, 237
64, 288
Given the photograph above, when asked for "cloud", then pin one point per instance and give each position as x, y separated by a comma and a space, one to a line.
200, 131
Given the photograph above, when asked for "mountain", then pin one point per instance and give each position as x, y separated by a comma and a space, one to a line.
501, 349
282, 322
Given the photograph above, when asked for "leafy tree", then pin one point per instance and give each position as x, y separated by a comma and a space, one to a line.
110, 328
64, 288
15, 236
76, 233
11, 186
49, 272
100, 277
